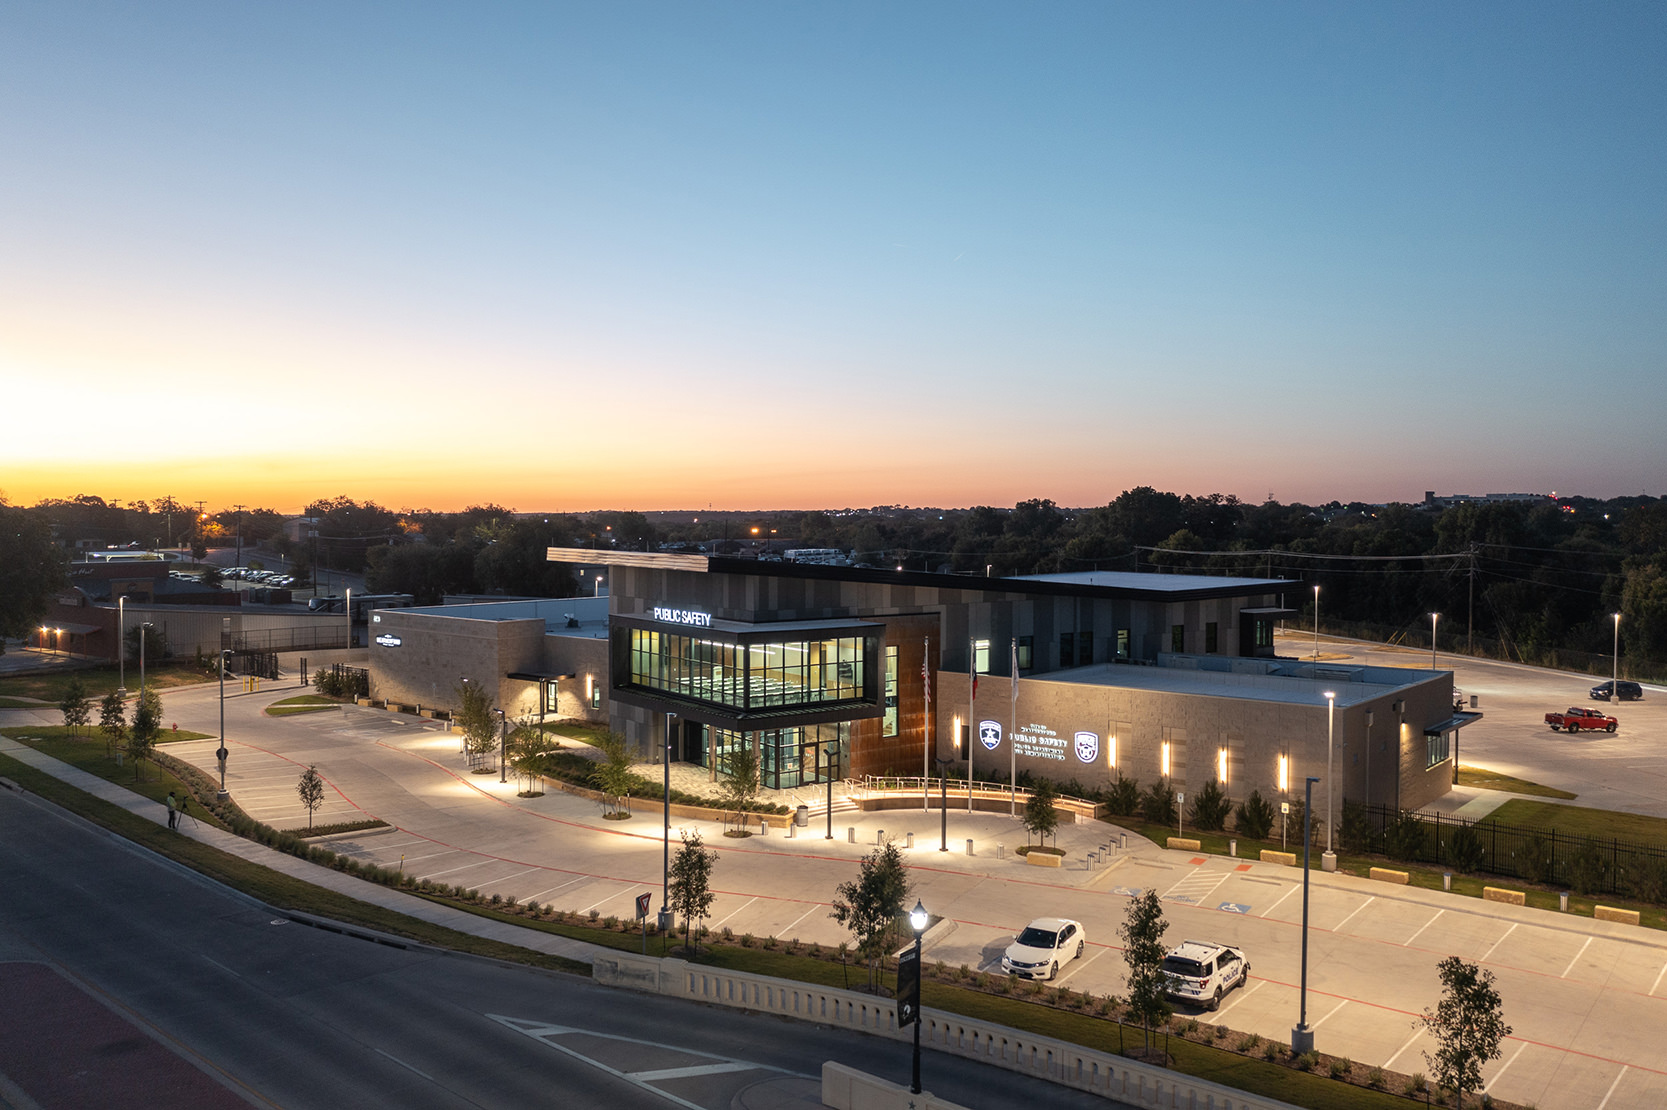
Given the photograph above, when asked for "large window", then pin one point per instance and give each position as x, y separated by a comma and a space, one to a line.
1085, 649
1123, 645
1027, 649
981, 656
1067, 649
1438, 743
749, 676
788, 757
1211, 644
1178, 638
890, 720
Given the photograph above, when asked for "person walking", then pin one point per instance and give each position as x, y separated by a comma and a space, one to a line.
173, 812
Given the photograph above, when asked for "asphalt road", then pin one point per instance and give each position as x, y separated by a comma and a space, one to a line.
148, 985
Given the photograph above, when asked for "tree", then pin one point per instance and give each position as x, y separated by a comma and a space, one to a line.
476, 719
1142, 932
613, 775
146, 727
1467, 1024
691, 885
310, 789
870, 905
156, 643
528, 745
112, 720
740, 788
32, 569
1255, 816
1210, 807
75, 707
1041, 815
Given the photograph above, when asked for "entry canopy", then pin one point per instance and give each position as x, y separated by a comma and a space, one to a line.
1457, 720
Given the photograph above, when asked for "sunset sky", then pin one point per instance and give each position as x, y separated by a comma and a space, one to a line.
777, 255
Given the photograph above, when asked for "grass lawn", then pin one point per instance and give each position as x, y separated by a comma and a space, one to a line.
1495, 780
100, 680
1581, 821
271, 887
89, 755
302, 703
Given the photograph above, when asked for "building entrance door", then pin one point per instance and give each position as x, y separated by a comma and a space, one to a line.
694, 743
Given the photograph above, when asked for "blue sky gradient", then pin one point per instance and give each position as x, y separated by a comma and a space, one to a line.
767, 255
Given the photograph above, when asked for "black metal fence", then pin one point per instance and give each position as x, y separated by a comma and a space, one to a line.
1585, 864
325, 636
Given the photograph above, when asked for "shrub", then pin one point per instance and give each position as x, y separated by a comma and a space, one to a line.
1210, 807
610, 923
1405, 838
497, 899
1588, 868
1157, 805
1307, 1061
746, 940
1464, 849
1415, 1084
1255, 817
1340, 1066
1271, 1050
1374, 1079
1645, 878
1356, 830
1123, 798
593, 916
1250, 1042
1534, 860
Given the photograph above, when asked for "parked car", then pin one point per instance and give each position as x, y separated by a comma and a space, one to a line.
1576, 719
1045, 943
1200, 972
1628, 691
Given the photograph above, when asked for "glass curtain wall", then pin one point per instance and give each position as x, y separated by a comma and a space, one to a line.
788, 757
749, 676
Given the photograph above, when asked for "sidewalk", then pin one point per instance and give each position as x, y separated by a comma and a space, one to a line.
374, 893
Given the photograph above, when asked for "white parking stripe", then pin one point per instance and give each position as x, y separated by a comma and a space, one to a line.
1612, 1087
719, 924
1505, 1065
1334, 1010
1337, 928
1389, 1064
1282, 897
1497, 943
1576, 959
1658, 976
564, 886
800, 918
1426, 925
1244, 992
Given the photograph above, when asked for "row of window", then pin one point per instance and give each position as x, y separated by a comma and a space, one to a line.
788, 757
1077, 650
749, 676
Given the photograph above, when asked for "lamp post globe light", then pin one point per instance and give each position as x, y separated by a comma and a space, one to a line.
121, 646
1433, 618
1316, 624
1328, 861
918, 919
1615, 679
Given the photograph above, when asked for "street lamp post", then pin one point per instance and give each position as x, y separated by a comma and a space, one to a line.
1302, 1037
222, 753
1328, 861
1316, 624
1615, 680
142, 638
121, 645
917, 921
503, 747
1433, 618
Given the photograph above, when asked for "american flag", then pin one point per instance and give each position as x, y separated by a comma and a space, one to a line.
926, 673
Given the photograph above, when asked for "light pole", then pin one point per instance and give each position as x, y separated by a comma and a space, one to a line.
142, 637
1433, 618
503, 747
917, 921
1615, 681
598, 591
121, 645
1328, 861
1316, 624
222, 753
1302, 1037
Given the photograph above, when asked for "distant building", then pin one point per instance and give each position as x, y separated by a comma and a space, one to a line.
1431, 501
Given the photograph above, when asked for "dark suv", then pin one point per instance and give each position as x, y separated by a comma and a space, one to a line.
1629, 691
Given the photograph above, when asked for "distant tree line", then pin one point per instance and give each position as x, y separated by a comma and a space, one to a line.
1530, 580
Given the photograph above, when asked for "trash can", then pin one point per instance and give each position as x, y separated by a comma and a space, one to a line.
801, 816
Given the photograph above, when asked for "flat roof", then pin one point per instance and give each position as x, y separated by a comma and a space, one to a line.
1105, 584
1147, 581
1272, 680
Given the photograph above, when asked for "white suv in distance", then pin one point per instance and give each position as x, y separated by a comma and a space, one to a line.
1200, 973
1045, 943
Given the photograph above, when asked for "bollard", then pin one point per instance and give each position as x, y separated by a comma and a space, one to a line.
969, 845
1446, 880
909, 840
851, 834
763, 827
1563, 901
1123, 841
880, 837
790, 828
1233, 848
1001, 850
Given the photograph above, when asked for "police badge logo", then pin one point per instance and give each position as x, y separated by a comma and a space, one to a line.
989, 732
1088, 746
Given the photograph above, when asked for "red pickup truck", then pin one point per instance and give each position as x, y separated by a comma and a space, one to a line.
1577, 719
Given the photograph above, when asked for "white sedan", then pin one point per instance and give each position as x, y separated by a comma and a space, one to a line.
1045, 944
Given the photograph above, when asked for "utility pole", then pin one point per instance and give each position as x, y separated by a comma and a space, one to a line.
1470, 618
239, 527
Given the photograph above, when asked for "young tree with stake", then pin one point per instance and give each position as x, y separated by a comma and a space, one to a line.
691, 885
1467, 1024
1142, 932
870, 905
311, 791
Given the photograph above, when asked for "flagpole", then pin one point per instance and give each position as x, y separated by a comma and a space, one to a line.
926, 741
972, 698
1012, 735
